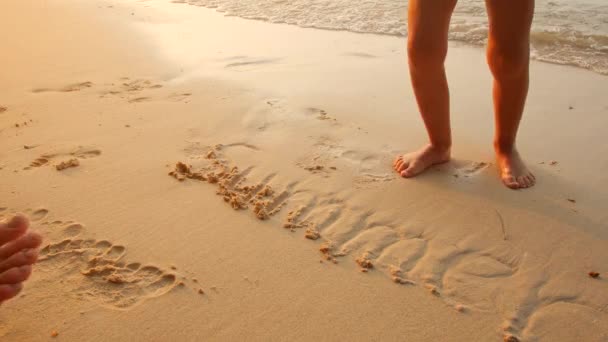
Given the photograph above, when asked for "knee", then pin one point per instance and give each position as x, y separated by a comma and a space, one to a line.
425, 53
508, 61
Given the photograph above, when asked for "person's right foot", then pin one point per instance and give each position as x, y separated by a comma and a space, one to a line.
18, 251
513, 170
412, 164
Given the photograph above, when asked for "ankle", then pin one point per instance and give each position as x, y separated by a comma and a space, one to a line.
440, 148
504, 147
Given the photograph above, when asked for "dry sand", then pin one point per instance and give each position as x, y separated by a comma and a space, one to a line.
284, 221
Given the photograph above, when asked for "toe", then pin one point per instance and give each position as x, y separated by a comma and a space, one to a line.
510, 182
8, 291
24, 257
12, 229
16, 275
521, 180
27, 241
398, 164
397, 159
411, 171
404, 166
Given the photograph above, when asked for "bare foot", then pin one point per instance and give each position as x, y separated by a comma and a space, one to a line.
18, 251
513, 171
412, 164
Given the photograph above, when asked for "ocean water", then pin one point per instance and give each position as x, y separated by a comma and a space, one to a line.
572, 32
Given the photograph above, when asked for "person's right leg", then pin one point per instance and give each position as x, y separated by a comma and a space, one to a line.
428, 25
18, 251
509, 61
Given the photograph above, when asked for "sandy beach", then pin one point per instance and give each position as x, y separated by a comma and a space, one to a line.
201, 177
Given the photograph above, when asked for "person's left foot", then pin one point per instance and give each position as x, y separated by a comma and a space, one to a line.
18, 251
513, 170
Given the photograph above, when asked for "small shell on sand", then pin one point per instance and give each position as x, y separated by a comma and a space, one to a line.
200, 291
460, 308
54, 333
593, 274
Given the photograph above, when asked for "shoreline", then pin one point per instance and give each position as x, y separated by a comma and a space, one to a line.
317, 122
467, 28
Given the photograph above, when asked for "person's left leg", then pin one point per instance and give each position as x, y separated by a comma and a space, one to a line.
18, 251
509, 59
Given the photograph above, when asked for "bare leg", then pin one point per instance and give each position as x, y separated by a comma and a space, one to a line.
509, 59
428, 25
18, 251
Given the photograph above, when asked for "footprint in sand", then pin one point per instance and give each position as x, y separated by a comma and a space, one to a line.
318, 163
69, 157
320, 114
469, 169
132, 86
130, 90
369, 167
180, 97
65, 89
72, 230
38, 214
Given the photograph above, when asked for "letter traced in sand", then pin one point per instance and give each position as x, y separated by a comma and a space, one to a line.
95, 269
260, 198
